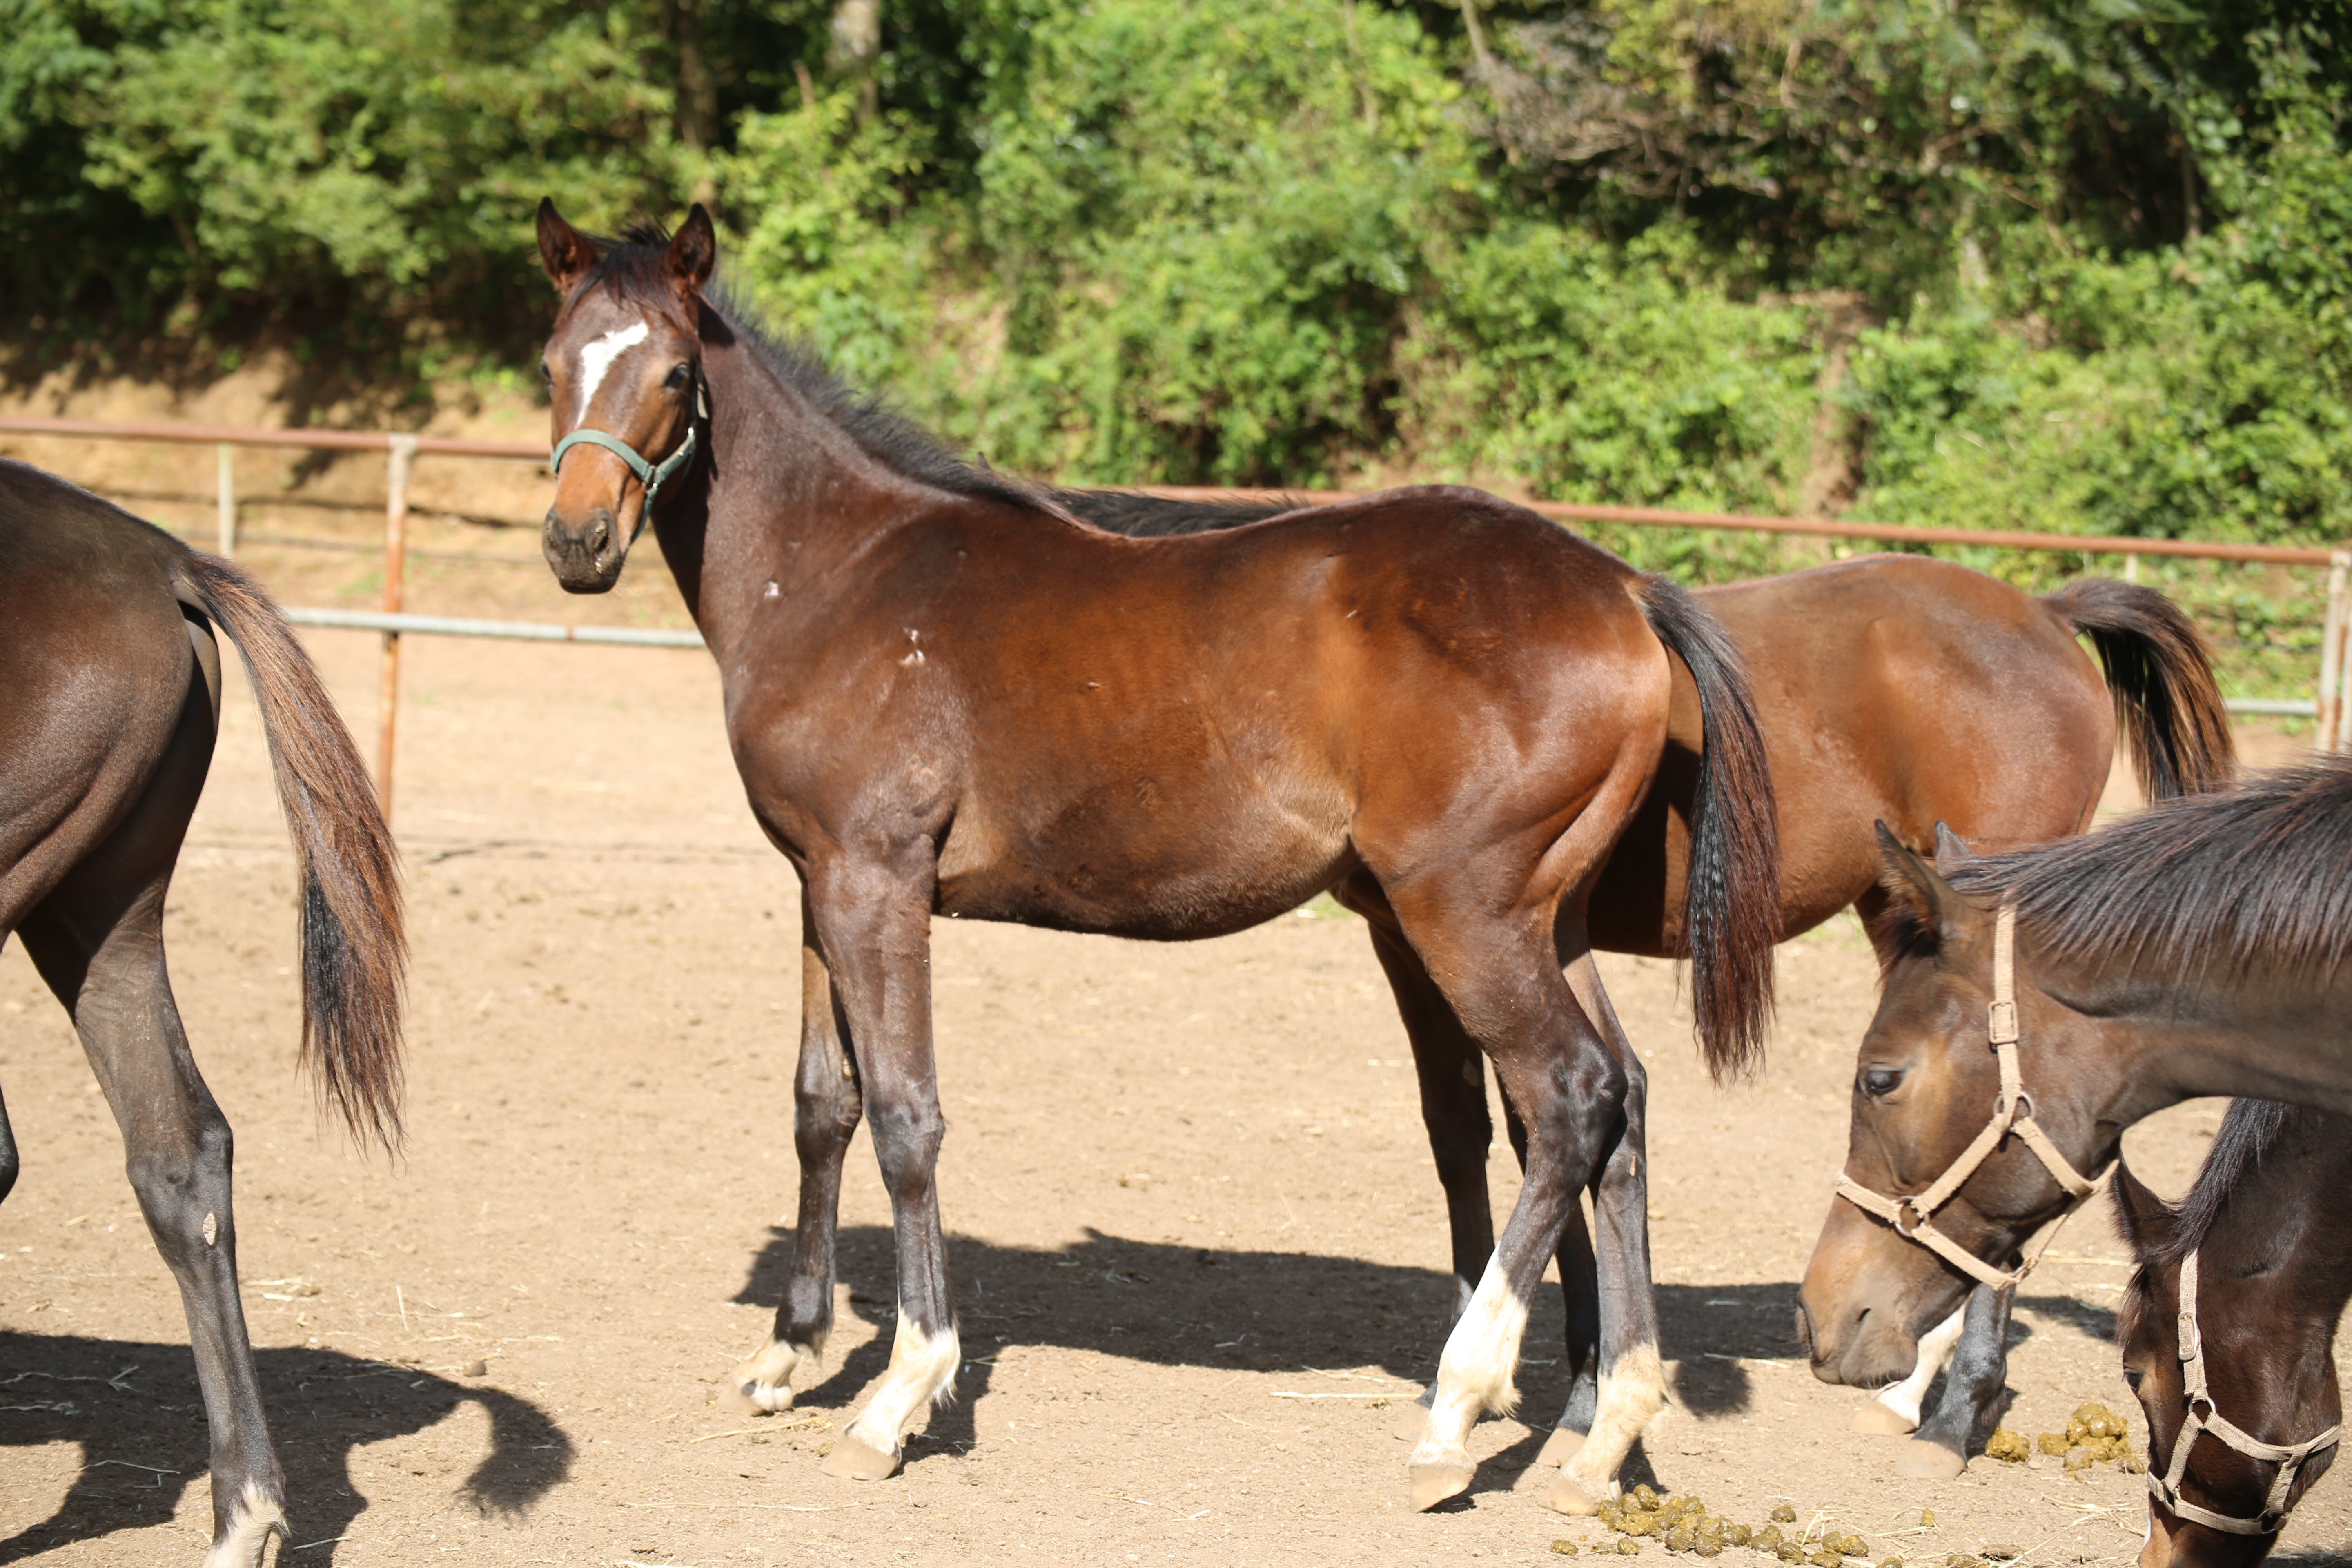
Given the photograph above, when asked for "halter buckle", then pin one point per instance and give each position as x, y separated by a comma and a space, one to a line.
2001, 1023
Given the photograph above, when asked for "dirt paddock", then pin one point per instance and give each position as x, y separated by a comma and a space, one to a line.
1197, 1243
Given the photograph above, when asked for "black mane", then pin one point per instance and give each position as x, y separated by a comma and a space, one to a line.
2247, 1132
632, 268
2256, 875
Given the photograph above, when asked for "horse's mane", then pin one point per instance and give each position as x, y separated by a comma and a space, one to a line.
2247, 1132
632, 267
2256, 875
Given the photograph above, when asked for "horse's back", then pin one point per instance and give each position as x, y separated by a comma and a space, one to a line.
1891, 688
96, 659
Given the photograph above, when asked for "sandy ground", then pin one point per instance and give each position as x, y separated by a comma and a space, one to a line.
1196, 1241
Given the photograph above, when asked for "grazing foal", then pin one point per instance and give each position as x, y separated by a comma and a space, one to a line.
2263, 1247
2197, 948
950, 695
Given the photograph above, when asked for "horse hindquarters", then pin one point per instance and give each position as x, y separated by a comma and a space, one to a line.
97, 939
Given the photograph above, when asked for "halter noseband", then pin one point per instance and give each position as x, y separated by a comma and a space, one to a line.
2288, 1458
648, 474
1914, 1217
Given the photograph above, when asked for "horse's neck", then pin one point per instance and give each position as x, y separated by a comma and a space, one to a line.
2263, 1035
790, 499
2284, 1225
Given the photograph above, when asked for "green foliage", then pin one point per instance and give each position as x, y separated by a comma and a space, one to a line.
1610, 250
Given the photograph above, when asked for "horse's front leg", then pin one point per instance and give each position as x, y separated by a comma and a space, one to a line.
873, 923
827, 1104
1972, 1393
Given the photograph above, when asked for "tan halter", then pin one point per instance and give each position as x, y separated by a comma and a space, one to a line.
1914, 1217
2289, 1459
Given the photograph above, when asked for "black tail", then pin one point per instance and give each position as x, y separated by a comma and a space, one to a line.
354, 951
1731, 902
2167, 702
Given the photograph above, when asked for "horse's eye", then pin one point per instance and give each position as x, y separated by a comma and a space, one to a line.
545, 374
2132, 1377
677, 378
1880, 1082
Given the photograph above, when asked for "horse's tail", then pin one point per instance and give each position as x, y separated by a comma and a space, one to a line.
354, 949
2166, 701
1731, 901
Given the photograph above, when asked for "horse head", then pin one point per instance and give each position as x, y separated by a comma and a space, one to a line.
624, 387
1951, 1197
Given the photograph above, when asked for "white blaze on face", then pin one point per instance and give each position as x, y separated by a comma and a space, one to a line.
597, 357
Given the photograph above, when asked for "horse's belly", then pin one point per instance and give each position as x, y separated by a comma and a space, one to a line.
1158, 875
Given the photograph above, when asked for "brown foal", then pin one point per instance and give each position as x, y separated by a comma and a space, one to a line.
2197, 948
108, 656
1888, 688
949, 694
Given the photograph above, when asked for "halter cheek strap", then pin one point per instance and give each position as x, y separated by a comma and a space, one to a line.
649, 475
1914, 1217
2289, 1459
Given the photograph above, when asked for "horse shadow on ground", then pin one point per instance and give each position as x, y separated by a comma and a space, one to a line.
1175, 1305
135, 1410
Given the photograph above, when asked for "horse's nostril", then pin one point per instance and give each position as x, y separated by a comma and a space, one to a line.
599, 534
1804, 1330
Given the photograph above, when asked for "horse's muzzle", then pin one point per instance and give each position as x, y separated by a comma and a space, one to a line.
586, 559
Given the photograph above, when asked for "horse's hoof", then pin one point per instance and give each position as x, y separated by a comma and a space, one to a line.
1410, 1424
1567, 1497
1563, 1445
1432, 1484
1880, 1422
734, 1399
1926, 1461
859, 1461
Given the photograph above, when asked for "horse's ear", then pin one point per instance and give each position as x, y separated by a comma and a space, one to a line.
563, 250
1927, 902
693, 253
2145, 1220
1952, 851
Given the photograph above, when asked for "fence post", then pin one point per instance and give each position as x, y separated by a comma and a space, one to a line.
2326, 734
2131, 567
395, 562
225, 526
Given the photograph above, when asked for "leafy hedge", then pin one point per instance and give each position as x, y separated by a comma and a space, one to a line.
2102, 251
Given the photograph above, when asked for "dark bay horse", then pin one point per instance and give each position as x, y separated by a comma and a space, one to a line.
1894, 688
2037, 1004
2262, 1249
108, 656
950, 694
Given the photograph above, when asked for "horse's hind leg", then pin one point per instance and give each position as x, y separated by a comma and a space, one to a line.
827, 1104
1503, 982
1972, 1393
1629, 1382
1453, 1078
8, 1162
101, 949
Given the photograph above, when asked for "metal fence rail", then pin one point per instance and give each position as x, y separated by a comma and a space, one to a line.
519, 631
2332, 704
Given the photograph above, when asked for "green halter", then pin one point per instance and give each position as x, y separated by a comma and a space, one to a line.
648, 474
